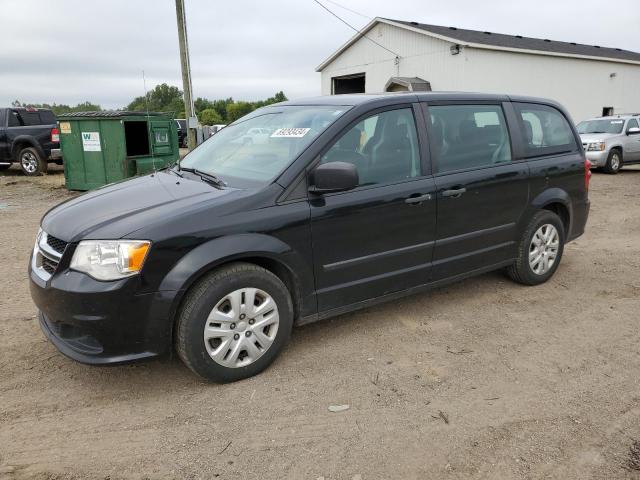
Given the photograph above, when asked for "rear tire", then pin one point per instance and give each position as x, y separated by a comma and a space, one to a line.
614, 162
31, 163
539, 250
234, 322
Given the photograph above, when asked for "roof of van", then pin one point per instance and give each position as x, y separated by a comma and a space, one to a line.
363, 98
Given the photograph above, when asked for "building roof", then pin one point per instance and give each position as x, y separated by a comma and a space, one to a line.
499, 41
525, 43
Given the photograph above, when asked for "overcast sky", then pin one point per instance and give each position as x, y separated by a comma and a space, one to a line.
69, 51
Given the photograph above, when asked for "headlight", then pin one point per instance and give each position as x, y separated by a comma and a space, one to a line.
110, 259
595, 147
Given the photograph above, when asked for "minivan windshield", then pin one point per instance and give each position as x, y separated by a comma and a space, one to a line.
253, 150
601, 126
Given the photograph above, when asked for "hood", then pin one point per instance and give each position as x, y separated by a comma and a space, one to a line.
597, 137
116, 210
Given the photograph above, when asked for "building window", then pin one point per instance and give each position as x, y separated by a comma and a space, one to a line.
348, 84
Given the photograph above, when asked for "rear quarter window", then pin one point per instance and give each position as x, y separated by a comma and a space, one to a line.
47, 117
545, 130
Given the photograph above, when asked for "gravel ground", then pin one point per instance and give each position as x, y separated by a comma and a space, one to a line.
484, 379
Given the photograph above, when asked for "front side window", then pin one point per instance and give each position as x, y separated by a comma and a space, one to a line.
546, 131
383, 148
255, 149
468, 136
633, 123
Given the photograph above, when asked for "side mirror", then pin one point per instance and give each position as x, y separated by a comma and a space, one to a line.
334, 177
633, 131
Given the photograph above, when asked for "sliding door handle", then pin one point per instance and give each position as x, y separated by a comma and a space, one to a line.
454, 192
418, 199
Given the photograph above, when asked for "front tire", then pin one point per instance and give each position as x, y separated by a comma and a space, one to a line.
31, 163
539, 250
614, 162
234, 323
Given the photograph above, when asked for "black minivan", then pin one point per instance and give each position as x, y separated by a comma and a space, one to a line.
304, 210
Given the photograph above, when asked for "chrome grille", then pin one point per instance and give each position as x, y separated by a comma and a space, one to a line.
57, 244
49, 265
47, 255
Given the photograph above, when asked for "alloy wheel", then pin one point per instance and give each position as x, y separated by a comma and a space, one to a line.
615, 162
29, 162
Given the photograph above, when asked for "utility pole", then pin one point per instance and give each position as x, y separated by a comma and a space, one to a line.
189, 107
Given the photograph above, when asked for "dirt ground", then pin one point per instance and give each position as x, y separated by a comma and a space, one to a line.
485, 379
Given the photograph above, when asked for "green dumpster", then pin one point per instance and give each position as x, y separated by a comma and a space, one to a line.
103, 147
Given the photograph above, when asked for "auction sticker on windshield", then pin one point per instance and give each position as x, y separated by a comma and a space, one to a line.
290, 132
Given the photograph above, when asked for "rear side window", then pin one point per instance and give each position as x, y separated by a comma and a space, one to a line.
30, 118
468, 136
545, 130
383, 148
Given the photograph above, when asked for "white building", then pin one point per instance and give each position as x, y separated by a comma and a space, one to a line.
392, 55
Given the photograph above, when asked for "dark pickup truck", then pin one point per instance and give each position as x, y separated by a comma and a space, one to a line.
30, 137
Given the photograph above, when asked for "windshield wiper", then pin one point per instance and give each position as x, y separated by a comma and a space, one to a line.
207, 177
172, 169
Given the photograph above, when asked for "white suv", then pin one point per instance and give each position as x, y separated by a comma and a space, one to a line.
610, 141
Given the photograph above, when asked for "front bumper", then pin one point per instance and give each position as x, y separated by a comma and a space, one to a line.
102, 322
597, 159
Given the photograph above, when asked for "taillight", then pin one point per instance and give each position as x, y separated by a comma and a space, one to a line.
55, 135
587, 173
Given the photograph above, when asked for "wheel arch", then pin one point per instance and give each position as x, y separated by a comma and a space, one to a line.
265, 251
620, 149
557, 201
23, 142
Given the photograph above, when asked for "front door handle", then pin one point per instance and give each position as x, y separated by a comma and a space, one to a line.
454, 192
418, 199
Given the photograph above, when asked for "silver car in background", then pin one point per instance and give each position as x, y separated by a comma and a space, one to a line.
610, 142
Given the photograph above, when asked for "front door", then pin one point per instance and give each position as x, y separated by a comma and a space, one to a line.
632, 142
482, 193
378, 238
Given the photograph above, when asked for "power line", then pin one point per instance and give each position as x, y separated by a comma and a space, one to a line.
348, 9
355, 29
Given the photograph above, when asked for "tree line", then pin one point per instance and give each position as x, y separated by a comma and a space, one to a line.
168, 99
